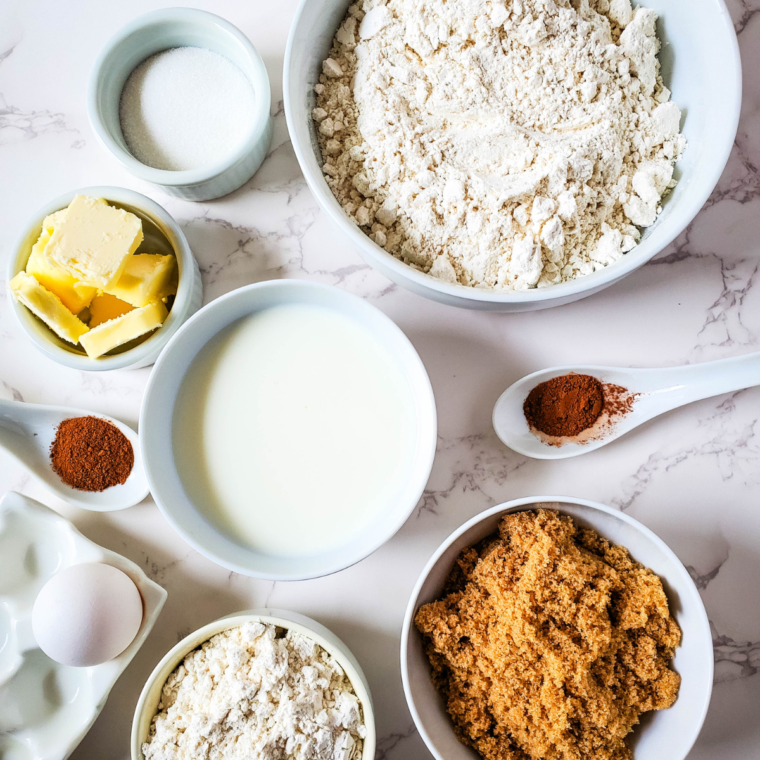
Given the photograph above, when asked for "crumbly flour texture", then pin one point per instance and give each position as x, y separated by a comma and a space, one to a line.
252, 693
505, 145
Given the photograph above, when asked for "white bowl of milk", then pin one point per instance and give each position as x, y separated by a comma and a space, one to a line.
288, 430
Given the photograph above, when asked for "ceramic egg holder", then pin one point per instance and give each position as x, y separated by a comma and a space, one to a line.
46, 708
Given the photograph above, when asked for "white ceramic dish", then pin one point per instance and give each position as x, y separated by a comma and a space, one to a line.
158, 408
665, 734
700, 64
659, 391
151, 693
47, 708
150, 34
186, 302
27, 432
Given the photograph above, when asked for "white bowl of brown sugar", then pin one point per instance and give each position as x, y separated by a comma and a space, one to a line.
556, 627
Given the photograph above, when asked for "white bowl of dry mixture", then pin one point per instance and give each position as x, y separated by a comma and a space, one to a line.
554, 623
511, 155
272, 681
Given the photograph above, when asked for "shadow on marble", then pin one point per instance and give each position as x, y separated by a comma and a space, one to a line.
732, 727
378, 653
484, 362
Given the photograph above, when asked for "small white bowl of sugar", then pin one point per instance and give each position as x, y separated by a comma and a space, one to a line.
182, 99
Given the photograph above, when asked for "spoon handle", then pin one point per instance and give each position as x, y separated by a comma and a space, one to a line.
698, 381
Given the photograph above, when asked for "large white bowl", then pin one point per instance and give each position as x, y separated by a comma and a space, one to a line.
158, 410
667, 734
700, 64
151, 693
186, 302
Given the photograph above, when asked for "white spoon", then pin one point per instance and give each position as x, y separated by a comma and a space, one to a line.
660, 390
28, 430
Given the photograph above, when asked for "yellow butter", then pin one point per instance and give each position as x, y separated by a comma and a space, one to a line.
94, 241
51, 220
48, 307
147, 277
121, 330
106, 307
55, 278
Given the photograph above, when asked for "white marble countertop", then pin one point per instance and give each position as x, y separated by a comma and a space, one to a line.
693, 476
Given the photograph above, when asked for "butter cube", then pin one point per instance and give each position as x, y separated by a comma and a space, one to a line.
94, 241
147, 277
55, 278
106, 307
121, 330
51, 220
48, 307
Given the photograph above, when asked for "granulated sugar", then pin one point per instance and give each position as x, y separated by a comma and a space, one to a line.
185, 108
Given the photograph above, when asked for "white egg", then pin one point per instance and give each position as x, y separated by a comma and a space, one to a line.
87, 614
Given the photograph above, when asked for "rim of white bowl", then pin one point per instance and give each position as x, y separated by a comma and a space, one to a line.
424, 469
302, 624
33, 329
187, 177
587, 284
515, 506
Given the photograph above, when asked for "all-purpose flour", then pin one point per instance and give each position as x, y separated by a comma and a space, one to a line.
498, 144
248, 693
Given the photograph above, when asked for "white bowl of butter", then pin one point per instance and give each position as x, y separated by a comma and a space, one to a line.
73, 317
288, 430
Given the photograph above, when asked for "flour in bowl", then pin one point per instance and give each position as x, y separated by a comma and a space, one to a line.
504, 145
253, 692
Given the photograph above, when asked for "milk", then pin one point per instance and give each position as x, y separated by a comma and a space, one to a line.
293, 430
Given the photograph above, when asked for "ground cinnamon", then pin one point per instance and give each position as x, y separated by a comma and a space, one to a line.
566, 405
91, 454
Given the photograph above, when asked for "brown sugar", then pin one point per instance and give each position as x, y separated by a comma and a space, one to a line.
91, 454
565, 405
550, 642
